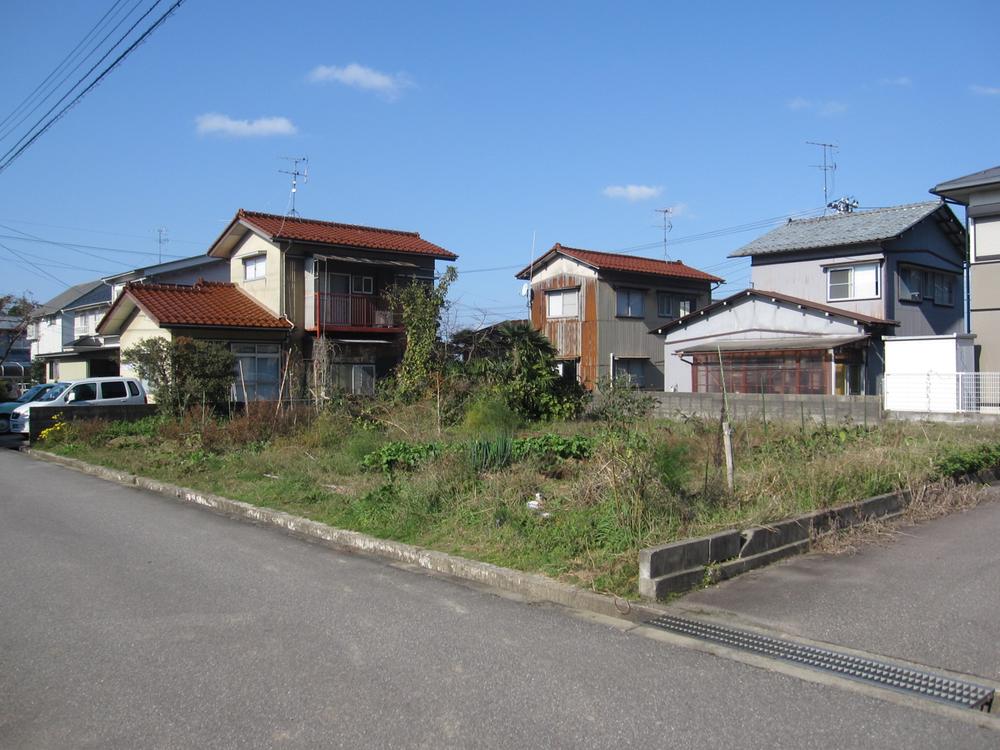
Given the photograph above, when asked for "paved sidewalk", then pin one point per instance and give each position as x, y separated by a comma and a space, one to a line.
931, 596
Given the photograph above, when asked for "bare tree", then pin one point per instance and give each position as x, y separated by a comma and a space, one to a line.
17, 310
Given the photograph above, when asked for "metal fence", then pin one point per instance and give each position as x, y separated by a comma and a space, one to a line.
943, 392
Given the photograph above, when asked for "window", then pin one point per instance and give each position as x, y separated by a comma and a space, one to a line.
133, 389
567, 369
256, 372
254, 267
671, 306
363, 379
85, 322
113, 389
944, 289
632, 369
82, 392
853, 282
630, 303
564, 303
362, 284
911, 284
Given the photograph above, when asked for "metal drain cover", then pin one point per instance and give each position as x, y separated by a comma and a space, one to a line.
910, 681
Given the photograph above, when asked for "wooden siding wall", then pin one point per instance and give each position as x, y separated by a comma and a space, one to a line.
574, 338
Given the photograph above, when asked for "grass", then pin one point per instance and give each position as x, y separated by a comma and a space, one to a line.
605, 492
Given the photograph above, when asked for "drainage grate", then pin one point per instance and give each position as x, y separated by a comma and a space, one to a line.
910, 681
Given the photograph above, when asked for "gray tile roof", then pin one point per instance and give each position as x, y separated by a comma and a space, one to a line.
976, 179
67, 298
855, 228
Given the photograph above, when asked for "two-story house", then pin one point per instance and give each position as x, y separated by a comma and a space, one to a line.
980, 194
598, 309
315, 281
64, 334
825, 291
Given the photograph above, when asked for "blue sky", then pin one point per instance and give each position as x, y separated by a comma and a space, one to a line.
479, 125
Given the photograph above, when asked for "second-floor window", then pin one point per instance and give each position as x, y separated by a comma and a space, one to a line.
853, 282
254, 267
362, 285
917, 284
563, 303
671, 306
85, 322
631, 303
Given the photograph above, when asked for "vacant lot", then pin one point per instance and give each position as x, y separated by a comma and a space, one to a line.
574, 500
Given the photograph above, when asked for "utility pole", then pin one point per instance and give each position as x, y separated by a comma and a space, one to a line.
295, 173
829, 166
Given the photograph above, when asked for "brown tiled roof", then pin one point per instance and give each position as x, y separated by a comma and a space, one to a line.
628, 263
213, 304
348, 235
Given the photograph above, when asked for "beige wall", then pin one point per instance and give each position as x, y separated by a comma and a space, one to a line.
267, 291
138, 327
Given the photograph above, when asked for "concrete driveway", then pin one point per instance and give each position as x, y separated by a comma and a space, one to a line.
930, 596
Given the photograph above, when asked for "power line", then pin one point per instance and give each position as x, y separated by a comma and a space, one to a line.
74, 246
58, 69
94, 231
26, 261
10, 158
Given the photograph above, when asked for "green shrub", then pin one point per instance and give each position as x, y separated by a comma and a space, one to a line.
672, 465
959, 461
490, 415
400, 455
551, 446
490, 454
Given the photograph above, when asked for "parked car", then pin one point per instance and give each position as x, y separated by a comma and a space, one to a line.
87, 392
35, 393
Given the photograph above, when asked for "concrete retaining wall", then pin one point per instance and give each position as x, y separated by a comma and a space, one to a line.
681, 566
773, 406
42, 416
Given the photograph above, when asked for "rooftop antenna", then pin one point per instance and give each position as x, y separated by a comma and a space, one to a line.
667, 226
845, 205
161, 240
295, 173
829, 166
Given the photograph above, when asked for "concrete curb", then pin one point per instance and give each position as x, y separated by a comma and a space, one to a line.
528, 585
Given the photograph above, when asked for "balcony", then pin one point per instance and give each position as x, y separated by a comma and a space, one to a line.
354, 312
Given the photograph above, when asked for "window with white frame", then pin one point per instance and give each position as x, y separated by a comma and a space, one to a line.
254, 267
85, 322
257, 367
362, 285
562, 303
631, 303
853, 282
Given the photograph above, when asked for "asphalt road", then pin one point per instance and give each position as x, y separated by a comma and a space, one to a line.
128, 620
929, 596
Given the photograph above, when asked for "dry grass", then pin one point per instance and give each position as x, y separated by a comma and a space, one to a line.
928, 502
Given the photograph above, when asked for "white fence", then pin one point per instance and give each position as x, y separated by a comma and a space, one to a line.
943, 392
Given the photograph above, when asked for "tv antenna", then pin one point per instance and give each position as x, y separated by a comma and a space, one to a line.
295, 173
668, 224
829, 166
161, 240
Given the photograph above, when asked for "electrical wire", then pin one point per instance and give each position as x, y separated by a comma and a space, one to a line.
26, 261
8, 158
57, 85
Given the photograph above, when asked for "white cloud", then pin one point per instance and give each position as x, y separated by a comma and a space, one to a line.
360, 77
820, 107
985, 90
902, 81
226, 125
632, 193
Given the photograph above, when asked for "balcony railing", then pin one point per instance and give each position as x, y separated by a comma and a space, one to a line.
352, 311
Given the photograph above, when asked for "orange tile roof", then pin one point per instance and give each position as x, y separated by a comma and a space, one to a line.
627, 263
348, 235
215, 304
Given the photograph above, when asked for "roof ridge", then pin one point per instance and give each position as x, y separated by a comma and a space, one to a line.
868, 211
250, 214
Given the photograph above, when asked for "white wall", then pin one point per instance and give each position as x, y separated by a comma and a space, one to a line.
921, 372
